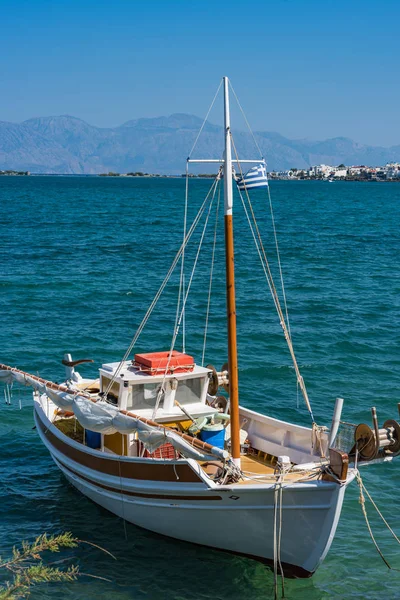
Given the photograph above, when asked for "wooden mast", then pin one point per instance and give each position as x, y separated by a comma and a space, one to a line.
230, 285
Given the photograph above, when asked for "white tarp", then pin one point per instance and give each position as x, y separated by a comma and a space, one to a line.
6, 377
95, 416
11, 376
37, 385
61, 399
106, 419
22, 379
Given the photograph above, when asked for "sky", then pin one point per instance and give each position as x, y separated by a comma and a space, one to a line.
303, 68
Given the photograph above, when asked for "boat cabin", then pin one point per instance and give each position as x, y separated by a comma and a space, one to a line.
138, 384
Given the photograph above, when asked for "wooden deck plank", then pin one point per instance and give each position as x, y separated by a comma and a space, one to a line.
254, 465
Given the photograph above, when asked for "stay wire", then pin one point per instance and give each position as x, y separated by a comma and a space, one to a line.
211, 278
279, 261
267, 270
160, 289
182, 277
205, 120
245, 118
270, 204
176, 330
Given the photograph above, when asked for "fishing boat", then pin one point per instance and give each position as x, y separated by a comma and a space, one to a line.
163, 442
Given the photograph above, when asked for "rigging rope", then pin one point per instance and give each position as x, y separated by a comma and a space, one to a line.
176, 331
279, 261
268, 274
160, 289
182, 277
205, 119
271, 209
211, 278
247, 123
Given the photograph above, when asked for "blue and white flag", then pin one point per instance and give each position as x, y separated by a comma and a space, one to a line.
255, 178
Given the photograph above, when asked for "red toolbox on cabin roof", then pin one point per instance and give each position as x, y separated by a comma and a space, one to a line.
156, 363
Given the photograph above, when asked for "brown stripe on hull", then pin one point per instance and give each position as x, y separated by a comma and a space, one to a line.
290, 571
120, 468
137, 494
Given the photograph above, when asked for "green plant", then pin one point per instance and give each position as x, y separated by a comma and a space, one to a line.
27, 568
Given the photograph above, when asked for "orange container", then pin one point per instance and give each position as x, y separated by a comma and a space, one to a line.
158, 363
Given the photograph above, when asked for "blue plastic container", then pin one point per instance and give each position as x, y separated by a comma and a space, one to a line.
214, 435
93, 439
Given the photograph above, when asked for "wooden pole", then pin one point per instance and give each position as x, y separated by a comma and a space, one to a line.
230, 286
232, 341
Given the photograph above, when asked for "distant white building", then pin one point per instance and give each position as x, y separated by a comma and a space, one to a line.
392, 170
324, 170
356, 170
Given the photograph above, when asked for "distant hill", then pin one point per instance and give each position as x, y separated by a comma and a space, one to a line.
65, 144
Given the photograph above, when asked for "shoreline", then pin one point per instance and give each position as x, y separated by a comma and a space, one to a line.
12, 173
272, 180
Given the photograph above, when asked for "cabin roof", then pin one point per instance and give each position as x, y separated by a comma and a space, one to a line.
135, 375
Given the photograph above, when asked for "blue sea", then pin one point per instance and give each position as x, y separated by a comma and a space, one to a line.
81, 259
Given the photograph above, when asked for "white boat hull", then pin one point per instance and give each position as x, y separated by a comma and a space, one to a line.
235, 518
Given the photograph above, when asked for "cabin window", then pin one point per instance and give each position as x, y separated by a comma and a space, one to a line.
114, 391
189, 390
144, 396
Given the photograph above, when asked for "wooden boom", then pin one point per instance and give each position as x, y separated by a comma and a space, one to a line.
196, 443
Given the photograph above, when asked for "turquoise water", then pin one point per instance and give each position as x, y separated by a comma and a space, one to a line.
81, 260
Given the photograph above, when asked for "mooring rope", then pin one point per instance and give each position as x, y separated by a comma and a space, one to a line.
364, 509
278, 521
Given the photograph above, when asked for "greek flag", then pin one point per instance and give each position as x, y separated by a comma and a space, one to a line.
255, 178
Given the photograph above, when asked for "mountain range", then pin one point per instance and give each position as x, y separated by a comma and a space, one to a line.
66, 144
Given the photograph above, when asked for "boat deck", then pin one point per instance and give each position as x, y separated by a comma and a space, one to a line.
257, 470
256, 466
